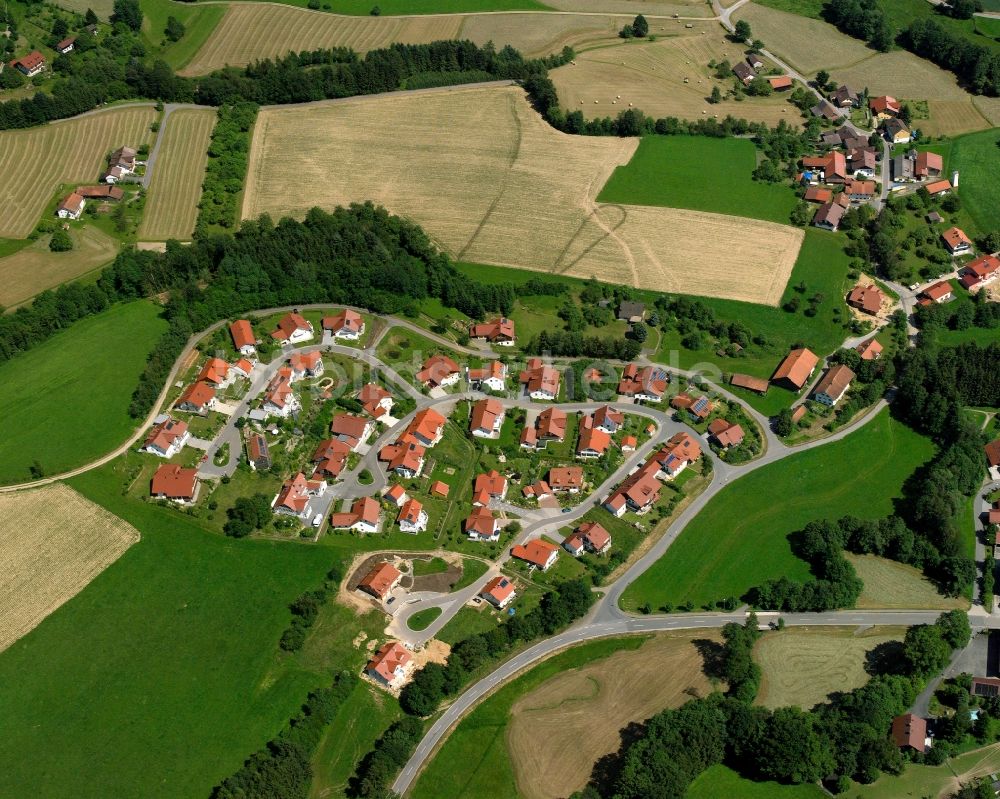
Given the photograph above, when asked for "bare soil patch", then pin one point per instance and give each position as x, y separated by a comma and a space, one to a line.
803, 665
490, 182
55, 543
561, 728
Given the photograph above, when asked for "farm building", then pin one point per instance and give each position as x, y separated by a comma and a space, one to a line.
815, 194
928, 165
795, 371
826, 110
884, 106
831, 168
834, 384
756, 384
105, 192
71, 207
780, 83
938, 187
859, 190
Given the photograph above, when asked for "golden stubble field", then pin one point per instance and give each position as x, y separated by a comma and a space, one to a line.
35, 268
559, 730
175, 188
492, 183
36, 161
651, 76
804, 665
55, 542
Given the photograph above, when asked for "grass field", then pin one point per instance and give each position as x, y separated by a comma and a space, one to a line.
723, 781
399, 7
977, 158
35, 162
423, 619
66, 401
699, 173
199, 22
524, 197
802, 666
55, 543
740, 538
162, 675
473, 762
668, 77
895, 585
934, 781
175, 188
35, 268
550, 755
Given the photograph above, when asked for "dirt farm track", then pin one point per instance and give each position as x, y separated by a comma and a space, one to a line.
492, 183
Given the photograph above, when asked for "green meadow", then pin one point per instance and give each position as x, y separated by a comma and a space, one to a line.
740, 538
65, 402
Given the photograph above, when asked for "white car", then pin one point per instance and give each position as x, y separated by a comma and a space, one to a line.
317, 520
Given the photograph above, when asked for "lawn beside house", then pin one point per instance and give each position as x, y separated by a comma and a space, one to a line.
740, 538
66, 401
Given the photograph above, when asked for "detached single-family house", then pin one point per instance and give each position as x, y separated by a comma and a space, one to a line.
861, 161
293, 329
588, 537
638, 492
866, 298
487, 418
828, 216
492, 376
167, 438
755, 61
833, 385
293, 498
956, 241
306, 364
928, 165
396, 495
910, 732
243, 338
592, 442
608, 419
199, 397
30, 64
859, 190
938, 292
550, 425
426, 428
646, 384
347, 325
568, 479
538, 553
362, 517
498, 331
380, 580
499, 592
844, 97
279, 399
869, 350
980, 271
482, 525
489, 486
215, 372
438, 371
895, 131
826, 110
795, 371
540, 381
631, 311
992, 451
412, 517
744, 72
376, 401
122, 162
350, 429
938, 187
884, 106
390, 665
538, 490
725, 434
831, 168
405, 458
71, 207
175, 483
66, 45
681, 450
698, 407
258, 454
329, 459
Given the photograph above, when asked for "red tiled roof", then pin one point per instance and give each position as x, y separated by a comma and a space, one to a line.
595, 534
73, 203
540, 377
909, 730
536, 552
440, 488
492, 482
174, 482
289, 324
867, 298
780, 82
926, 162
163, 435
389, 658
379, 580
30, 61
346, 320
869, 350
796, 367
978, 269
501, 329
242, 333
725, 433
816, 194
750, 383
836, 380
410, 512
884, 103
197, 394
485, 414
436, 370
214, 371
592, 439
955, 237
993, 453
329, 458
370, 396
349, 427
498, 589
937, 187
649, 380
940, 289
481, 521
565, 477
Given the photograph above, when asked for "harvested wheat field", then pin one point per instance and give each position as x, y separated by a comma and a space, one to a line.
651, 76
551, 754
895, 585
36, 268
175, 187
807, 44
803, 665
542, 34
989, 107
35, 162
55, 542
491, 183
103, 8
651, 8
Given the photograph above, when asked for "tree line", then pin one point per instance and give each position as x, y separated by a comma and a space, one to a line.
844, 739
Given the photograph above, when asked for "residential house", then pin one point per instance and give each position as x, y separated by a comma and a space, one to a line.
956, 241
831, 168
638, 492
869, 350
825, 110
744, 72
66, 45
538, 490
910, 732
681, 450
938, 187
215, 372
167, 438
258, 454
389, 665
895, 131
71, 207
487, 418
538, 553
830, 138
608, 419
242, 368
725, 434
489, 486
795, 371
698, 407
499, 592
293, 498
815, 194
350, 429
376, 401
498, 331
30, 64
293, 329
780, 83
833, 385
828, 216
938, 292
540, 381
306, 364
412, 517
980, 271
629, 443
279, 399
568, 479
363, 516
482, 525
347, 325
243, 338
631, 311
756, 384
380, 580
329, 459
396, 495
866, 298
589, 537
884, 106
755, 61
405, 458
844, 97
426, 428
550, 425
646, 384
928, 165
199, 397
992, 451
121, 163
859, 190
492, 376
861, 161
904, 168
438, 371
592, 442
175, 483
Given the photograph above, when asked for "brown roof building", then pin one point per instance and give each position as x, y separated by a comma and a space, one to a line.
833, 385
380, 581
756, 384
171, 481
725, 434
796, 369
866, 298
909, 731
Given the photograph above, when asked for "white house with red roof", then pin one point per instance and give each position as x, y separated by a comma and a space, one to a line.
979, 271
492, 376
176, 483
588, 537
243, 337
376, 401
540, 381
486, 418
199, 397
405, 458
347, 325
363, 516
279, 399
538, 553
293, 498
30, 64
438, 371
71, 207
489, 486
412, 517
329, 459
499, 592
644, 384
306, 364
498, 331
390, 665
166, 438
482, 525
293, 328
